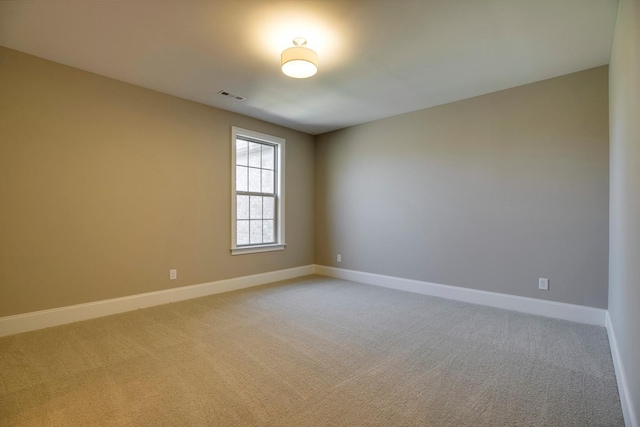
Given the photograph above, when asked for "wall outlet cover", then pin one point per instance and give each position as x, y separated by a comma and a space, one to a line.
543, 284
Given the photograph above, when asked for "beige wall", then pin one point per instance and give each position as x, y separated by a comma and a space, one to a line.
489, 193
105, 186
624, 257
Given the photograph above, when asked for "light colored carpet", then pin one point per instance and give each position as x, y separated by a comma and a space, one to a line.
311, 352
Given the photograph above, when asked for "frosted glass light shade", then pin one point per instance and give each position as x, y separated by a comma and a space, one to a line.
299, 62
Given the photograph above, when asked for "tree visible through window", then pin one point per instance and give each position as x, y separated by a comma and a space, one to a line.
257, 191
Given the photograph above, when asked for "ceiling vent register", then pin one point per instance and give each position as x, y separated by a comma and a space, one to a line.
231, 95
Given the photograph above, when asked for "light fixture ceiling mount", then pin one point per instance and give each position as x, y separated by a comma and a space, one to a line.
299, 61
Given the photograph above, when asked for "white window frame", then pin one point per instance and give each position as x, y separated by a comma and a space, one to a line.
279, 143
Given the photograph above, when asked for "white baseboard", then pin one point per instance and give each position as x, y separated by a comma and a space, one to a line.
558, 310
630, 418
10, 325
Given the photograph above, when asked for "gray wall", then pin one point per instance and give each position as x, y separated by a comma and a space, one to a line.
624, 240
487, 193
106, 186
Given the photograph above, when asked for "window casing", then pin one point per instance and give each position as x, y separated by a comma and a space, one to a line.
257, 196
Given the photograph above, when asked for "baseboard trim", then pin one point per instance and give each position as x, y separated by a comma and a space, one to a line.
628, 411
558, 310
10, 325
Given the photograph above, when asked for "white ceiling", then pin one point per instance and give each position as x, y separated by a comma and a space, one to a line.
378, 58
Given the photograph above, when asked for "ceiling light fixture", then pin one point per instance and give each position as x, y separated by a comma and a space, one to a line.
299, 62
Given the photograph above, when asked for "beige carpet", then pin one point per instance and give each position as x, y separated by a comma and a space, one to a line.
311, 352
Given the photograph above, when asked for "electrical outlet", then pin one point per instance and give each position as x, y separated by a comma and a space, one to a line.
173, 274
543, 284
339, 258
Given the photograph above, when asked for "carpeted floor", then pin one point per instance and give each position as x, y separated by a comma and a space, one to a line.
311, 352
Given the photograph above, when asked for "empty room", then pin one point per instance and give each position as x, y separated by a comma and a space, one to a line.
320, 213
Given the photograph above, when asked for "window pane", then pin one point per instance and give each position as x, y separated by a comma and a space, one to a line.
268, 232
241, 152
268, 157
267, 181
254, 180
241, 178
255, 234
256, 207
242, 207
255, 154
242, 232
268, 205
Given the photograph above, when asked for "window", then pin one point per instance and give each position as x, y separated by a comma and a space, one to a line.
257, 196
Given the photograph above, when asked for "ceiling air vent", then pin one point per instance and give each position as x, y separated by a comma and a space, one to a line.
231, 95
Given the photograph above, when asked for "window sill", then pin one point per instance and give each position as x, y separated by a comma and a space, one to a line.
257, 249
